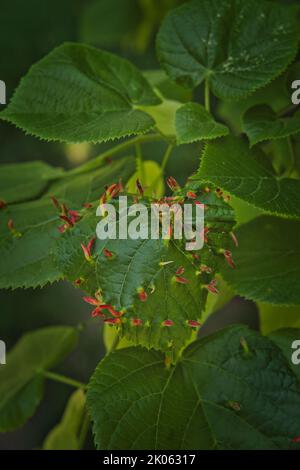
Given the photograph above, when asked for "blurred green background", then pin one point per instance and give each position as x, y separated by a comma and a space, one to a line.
29, 30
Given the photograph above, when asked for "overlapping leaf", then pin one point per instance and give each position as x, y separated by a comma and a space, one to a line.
261, 123
268, 261
220, 385
22, 381
229, 164
238, 45
78, 93
194, 123
29, 260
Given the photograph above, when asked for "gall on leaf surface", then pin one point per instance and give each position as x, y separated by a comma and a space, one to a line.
29, 260
229, 164
78, 93
238, 45
140, 278
133, 398
268, 261
22, 381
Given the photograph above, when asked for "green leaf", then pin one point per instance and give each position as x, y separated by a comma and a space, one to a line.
268, 261
21, 379
150, 265
284, 339
29, 260
194, 123
66, 435
25, 181
164, 116
78, 93
261, 123
134, 400
150, 176
229, 164
274, 317
169, 89
194, 44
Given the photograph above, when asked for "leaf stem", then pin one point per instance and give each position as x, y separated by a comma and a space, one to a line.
63, 379
95, 162
207, 95
166, 157
84, 429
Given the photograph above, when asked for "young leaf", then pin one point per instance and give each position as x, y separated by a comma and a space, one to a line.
268, 261
21, 380
134, 399
194, 123
78, 93
261, 123
65, 436
25, 181
229, 164
238, 46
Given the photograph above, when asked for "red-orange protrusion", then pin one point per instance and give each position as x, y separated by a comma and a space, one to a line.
180, 271
2, 204
87, 250
211, 287
143, 296
228, 257
191, 195
181, 280
172, 183
136, 322
139, 187
193, 323
168, 323
107, 253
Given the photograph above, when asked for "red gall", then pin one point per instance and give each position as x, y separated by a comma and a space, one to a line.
181, 280
296, 439
143, 296
113, 321
193, 323
191, 195
55, 202
139, 187
180, 271
172, 183
136, 322
87, 205
234, 238
2, 204
87, 249
107, 253
228, 257
168, 323
211, 287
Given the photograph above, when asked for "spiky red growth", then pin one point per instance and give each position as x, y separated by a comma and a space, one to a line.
55, 202
139, 187
87, 205
180, 271
97, 312
211, 287
113, 321
10, 225
91, 300
228, 257
191, 195
193, 323
107, 253
234, 238
205, 269
143, 296
87, 250
62, 228
136, 322
181, 280
78, 281
67, 219
74, 216
2, 204
203, 234
113, 190
296, 439
168, 323
172, 183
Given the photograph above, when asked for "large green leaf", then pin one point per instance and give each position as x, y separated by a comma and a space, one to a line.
150, 265
28, 260
194, 123
78, 93
284, 339
238, 45
229, 164
21, 379
230, 398
25, 181
268, 261
261, 123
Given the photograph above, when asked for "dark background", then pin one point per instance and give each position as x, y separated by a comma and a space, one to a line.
29, 30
